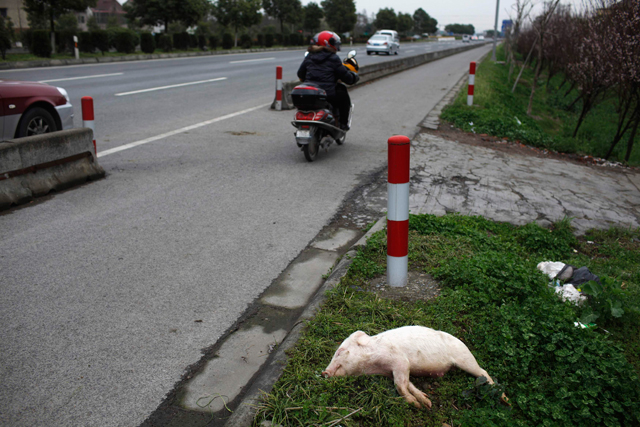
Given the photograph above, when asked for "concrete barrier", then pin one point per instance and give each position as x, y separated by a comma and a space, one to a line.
35, 165
381, 69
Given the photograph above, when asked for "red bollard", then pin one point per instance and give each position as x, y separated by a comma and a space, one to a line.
398, 211
472, 81
278, 88
88, 118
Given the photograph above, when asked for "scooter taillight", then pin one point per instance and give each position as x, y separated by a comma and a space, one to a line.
318, 115
302, 115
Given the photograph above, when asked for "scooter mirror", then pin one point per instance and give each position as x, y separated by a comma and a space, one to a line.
351, 54
306, 53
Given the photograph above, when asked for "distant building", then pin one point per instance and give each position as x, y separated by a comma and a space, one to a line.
104, 10
14, 9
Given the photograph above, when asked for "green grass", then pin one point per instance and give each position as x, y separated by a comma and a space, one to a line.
496, 301
497, 111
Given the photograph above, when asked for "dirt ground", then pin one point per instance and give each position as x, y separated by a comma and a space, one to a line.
447, 131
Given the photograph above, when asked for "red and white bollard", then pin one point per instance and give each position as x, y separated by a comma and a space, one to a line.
398, 211
88, 118
472, 81
278, 88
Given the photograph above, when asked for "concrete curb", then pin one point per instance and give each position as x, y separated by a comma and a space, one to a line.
269, 374
35, 165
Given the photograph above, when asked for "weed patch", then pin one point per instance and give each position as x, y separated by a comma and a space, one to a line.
499, 112
495, 300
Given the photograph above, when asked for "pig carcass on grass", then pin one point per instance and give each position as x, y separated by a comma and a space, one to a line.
398, 353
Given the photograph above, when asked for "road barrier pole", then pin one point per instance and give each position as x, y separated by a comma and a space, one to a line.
75, 47
278, 88
398, 211
472, 82
88, 118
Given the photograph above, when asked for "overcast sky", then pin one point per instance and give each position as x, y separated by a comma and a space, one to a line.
480, 13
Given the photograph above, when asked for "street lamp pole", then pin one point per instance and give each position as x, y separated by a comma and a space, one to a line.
495, 32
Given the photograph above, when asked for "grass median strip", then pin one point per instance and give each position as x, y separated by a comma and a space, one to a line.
495, 300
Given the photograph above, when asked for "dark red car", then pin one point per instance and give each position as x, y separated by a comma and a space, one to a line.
32, 108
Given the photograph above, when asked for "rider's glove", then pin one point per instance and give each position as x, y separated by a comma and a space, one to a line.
356, 78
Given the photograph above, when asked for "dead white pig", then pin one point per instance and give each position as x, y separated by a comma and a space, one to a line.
398, 353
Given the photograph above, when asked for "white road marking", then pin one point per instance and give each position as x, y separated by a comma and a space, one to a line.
409, 50
169, 87
177, 131
252, 60
81, 78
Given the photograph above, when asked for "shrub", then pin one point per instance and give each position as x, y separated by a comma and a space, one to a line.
100, 39
164, 42
213, 42
245, 41
277, 39
260, 40
268, 40
85, 42
227, 41
40, 43
64, 41
125, 41
147, 43
193, 41
181, 41
202, 42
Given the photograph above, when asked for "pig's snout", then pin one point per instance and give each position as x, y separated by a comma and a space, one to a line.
326, 374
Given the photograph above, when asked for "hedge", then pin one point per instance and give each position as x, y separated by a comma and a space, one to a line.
147, 43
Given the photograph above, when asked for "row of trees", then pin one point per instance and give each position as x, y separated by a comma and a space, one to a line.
597, 50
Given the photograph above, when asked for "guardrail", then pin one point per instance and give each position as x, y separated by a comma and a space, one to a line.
381, 69
35, 165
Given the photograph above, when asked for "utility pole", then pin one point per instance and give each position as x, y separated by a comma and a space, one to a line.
495, 32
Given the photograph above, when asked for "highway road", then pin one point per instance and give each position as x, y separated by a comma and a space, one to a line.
112, 289
138, 100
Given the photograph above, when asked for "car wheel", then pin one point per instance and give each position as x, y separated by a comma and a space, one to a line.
36, 121
368, 53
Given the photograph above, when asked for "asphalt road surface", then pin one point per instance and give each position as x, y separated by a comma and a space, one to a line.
110, 290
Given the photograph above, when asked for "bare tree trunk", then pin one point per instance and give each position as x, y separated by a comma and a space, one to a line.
586, 106
632, 138
523, 67
535, 82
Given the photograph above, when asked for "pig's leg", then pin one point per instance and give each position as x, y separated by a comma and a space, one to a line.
469, 364
407, 390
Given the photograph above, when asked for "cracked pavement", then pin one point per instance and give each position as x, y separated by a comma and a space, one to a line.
448, 176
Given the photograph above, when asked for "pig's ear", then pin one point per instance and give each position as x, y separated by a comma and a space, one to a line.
361, 338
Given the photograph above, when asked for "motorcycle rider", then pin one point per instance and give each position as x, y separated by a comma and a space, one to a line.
323, 67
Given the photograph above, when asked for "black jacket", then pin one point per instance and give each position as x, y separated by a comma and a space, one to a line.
323, 67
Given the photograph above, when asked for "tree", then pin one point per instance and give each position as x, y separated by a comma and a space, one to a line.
405, 23
363, 24
238, 14
40, 10
5, 39
460, 29
386, 18
282, 10
423, 23
313, 15
340, 15
163, 12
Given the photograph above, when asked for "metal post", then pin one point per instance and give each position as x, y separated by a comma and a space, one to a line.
472, 82
398, 211
495, 32
75, 47
278, 88
88, 118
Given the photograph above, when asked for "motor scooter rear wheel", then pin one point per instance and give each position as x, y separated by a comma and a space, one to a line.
310, 150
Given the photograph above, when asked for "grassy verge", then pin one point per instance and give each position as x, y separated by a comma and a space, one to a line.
496, 301
500, 113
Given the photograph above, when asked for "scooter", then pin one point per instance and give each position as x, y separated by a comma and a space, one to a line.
315, 121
